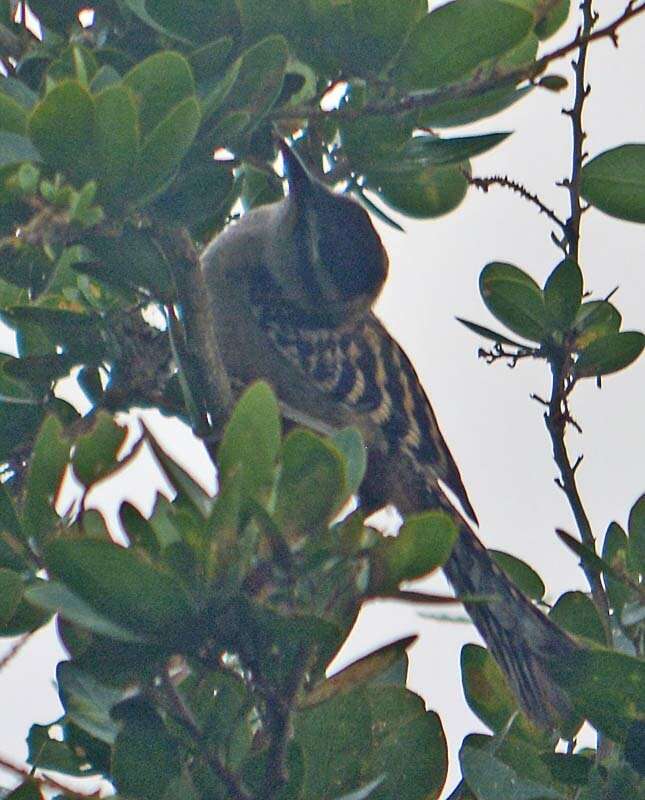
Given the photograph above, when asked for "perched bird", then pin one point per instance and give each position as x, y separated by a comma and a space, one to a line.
292, 286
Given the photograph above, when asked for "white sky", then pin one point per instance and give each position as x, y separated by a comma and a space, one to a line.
495, 431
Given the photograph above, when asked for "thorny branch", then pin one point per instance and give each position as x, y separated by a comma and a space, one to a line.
44, 781
503, 180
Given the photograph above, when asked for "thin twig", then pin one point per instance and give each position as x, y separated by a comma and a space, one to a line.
503, 180
13, 651
556, 419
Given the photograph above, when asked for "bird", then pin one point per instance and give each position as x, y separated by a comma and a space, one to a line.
292, 286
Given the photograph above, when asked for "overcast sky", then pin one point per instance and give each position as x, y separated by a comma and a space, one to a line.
495, 431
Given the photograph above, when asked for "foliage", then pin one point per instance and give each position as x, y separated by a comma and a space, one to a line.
198, 652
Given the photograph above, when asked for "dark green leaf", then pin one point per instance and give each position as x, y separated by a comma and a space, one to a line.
569, 768
311, 486
16, 149
48, 753
164, 148
251, 440
515, 299
487, 333
563, 293
523, 576
553, 20
11, 588
105, 76
553, 83
96, 450
576, 613
615, 551
609, 354
614, 182
408, 746
48, 464
119, 584
492, 779
145, 758
13, 117
470, 109
456, 38
429, 193
351, 445
424, 543
209, 60
594, 320
57, 598
62, 125
637, 535
76, 61
336, 732
132, 261
160, 83
29, 790
87, 701
426, 151
192, 20
608, 688
364, 792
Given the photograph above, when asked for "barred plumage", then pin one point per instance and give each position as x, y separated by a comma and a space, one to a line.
292, 296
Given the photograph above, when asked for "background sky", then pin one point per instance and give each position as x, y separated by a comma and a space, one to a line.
496, 432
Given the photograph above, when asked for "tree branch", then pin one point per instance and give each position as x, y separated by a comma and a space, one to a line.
478, 84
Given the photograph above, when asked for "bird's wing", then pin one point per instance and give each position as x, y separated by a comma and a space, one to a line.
365, 370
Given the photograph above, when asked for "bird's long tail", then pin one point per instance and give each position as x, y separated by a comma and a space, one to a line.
520, 637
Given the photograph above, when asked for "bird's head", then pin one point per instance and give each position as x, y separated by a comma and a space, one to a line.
324, 254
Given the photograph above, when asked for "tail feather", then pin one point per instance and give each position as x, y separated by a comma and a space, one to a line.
520, 637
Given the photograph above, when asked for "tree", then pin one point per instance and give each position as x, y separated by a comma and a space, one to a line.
198, 653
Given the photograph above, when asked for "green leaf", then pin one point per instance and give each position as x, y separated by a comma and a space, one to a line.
191, 20
408, 746
426, 151
491, 779
48, 464
251, 440
485, 687
209, 60
594, 320
145, 758
104, 77
255, 79
576, 613
377, 668
457, 37
608, 688
311, 485
96, 450
62, 125
57, 598
515, 299
11, 588
637, 535
336, 733
16, 149
424, 543
49, 753
569, 768
160, 84
87, 701
614, 182
487, 333
429, 193
117, 137
363, 792
521, 574
471, 109
609, 354
122, 586
13, 116
351, 445
133, 261
164, 149
563, 293
615, 551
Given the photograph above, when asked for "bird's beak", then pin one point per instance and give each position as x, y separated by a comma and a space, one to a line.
298, 178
